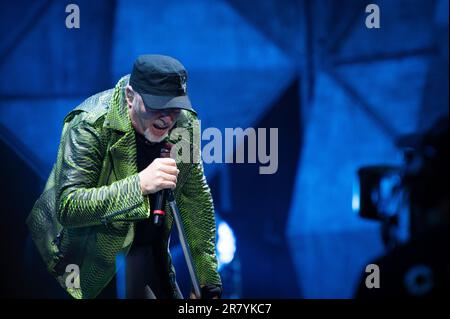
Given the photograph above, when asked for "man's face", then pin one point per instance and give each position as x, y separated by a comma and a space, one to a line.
153, 124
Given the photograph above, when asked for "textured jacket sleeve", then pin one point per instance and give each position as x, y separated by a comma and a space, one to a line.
79, 201
197, 209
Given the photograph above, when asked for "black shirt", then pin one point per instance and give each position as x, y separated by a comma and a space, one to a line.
146, 152
147, 255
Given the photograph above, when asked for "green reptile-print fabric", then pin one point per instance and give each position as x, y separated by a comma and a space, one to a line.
87, 212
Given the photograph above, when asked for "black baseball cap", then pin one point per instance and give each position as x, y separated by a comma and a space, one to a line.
161, 81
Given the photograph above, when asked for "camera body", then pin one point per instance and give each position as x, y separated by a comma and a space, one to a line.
410, 198
379, 194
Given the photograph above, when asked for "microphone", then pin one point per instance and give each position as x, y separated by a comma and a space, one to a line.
160, 196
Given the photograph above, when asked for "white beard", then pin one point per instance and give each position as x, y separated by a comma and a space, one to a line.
152, 138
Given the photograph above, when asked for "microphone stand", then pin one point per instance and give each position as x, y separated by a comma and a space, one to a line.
184, 245
167, 194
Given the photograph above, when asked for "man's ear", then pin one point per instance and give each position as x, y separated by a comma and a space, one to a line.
129, 95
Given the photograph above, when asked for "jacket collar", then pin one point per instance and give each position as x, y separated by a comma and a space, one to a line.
118, 117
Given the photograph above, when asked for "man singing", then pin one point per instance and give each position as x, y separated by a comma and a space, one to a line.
97, 203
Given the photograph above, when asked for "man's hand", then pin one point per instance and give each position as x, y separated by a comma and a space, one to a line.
208, 292
160, 174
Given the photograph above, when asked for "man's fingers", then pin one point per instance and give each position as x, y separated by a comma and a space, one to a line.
167, 161
192, 296
168, 177
173, 170
167, 184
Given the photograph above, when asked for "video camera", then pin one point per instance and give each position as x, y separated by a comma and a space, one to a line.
402, 196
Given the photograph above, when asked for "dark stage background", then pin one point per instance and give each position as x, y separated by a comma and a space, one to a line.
339, 94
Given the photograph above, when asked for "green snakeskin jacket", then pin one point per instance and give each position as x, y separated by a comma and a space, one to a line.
92, 199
